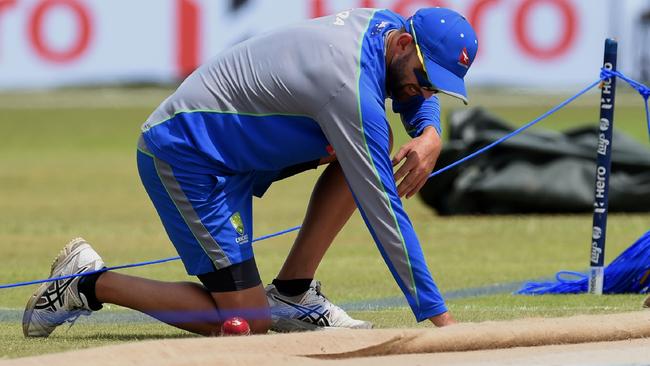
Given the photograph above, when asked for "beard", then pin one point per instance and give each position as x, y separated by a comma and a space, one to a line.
396, 73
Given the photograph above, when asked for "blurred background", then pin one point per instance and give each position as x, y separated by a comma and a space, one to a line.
78, 77
536, 44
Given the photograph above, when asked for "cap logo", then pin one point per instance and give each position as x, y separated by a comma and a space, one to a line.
463, 59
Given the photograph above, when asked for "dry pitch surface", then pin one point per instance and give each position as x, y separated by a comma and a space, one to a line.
620, 339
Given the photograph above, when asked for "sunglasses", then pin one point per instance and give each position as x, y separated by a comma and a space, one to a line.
423, 81
421, 75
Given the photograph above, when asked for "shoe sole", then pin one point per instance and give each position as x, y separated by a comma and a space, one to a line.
284, 325
73, 248
366, 325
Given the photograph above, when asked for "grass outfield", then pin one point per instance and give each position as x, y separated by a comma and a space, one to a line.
68, 169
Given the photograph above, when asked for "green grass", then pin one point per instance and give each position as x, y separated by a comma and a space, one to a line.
71, 171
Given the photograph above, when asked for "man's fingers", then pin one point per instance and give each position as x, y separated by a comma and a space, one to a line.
413, 182
404, 170
422, 180
400, 155
401, 189
421, 155
404, 188
417, 188
408, 183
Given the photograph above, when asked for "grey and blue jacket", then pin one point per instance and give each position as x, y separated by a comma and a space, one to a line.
288, 97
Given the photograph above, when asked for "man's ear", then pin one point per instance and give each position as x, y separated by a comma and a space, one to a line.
405, 41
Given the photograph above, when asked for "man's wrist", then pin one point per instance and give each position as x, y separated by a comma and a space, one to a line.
430, 131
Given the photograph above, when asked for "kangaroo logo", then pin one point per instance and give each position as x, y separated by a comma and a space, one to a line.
237, 223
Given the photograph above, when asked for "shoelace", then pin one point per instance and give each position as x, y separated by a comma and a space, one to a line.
320, 294
317, 288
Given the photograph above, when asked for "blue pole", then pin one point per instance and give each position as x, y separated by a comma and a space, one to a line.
603, 167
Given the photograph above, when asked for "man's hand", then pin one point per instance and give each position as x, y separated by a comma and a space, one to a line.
421, 155
443, 320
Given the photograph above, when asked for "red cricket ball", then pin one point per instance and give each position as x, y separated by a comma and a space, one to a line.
235, 326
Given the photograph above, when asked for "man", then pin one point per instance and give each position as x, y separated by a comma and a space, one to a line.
270, 107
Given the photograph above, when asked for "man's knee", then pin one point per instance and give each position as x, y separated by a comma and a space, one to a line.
237, 291
260, 326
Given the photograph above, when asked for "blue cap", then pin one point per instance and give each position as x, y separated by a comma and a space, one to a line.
446, 45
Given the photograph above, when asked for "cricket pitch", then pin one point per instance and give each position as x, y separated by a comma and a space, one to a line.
585, 339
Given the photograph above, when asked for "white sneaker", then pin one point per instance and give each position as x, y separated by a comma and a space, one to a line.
309, 311
59, 301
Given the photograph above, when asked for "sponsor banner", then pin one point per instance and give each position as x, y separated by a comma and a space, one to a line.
63, 42
529, 43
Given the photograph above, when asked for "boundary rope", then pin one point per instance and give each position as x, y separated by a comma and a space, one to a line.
604, 74
517, 131
132, 265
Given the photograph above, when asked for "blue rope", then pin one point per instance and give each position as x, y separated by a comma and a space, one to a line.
133, 265
517, 131
642, 89
628, 273
605, 74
